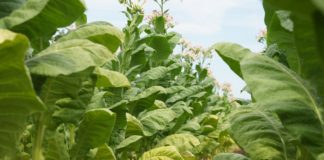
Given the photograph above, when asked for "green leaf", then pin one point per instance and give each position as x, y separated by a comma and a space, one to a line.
280, 33
159, 24
7, 6
94, 130
260, 134
148, 92
17, 97
230, 156
184, 94
154, 73
174, 89
291, 98
162, 153
128, 142
320, 157
156, 120
82, 20
101, 33
69, 57
108, 78
105, 152
161, 45
51, 14
232, 54
308, 38
144, 99
319, 4
134, 126
55, 147
183, 142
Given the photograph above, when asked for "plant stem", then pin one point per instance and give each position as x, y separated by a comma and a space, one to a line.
38, 140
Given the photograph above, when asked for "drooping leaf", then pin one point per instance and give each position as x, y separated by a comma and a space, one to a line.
105, 152
156, 120
154, 73
145, 99
94, 131
232, 54
162, 153
280, 33
39, 19
101, 33
291, 98
174, 89
184, 94
308, 38
17, 97
69, 57
134, 126
261, 135
230, 156
183, 142
108, 78
128, 142
161, 45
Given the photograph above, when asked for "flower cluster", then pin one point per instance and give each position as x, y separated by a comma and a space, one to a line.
168, 19
226, 87
262, 36
193, 51
135, 6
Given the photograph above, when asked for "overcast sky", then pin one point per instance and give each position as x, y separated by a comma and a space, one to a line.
203, 22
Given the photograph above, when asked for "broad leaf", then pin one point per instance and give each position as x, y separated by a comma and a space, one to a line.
161, 45
69, 57
94, 130
101, 33
290, 97
184, 94
39, 19
279, 27
145, 99
134, 126
154, 73
128, 142
108, 78
307, 37
261, 135
162, 153
105, 152
17, 96
183, 142
156, 120
232, 54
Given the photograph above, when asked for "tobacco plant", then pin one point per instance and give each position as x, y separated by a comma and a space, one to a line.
96, 92
285, 120
93, 91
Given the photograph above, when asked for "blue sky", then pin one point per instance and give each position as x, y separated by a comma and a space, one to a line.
203, 22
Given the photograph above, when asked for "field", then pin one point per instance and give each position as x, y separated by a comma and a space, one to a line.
72, 90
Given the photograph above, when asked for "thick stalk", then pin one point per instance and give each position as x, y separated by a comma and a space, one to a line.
38, 139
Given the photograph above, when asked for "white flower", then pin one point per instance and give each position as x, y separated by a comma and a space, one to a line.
226, 87
262, 36
169, 22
